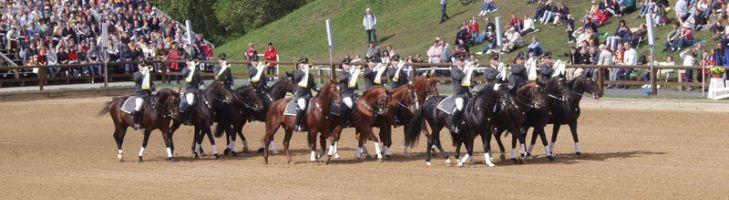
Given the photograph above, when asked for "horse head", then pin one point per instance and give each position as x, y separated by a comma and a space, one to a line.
557, 88
381, 97
592, 88
425, 86
533, 95
333, 92
249, 98
169, 100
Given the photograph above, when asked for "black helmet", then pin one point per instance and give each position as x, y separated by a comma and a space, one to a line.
303, 60
460, 56
347, 60
222, 56
395, 57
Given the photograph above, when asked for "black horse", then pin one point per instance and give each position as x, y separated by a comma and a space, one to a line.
512, 117
567, 109
554, 88
478, 116
207, 104
241, 116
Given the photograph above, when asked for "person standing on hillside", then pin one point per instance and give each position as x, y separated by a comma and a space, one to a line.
251, 51
270, 55
369, 22
443, 14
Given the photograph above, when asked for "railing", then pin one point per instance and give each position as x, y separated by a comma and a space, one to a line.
320, 68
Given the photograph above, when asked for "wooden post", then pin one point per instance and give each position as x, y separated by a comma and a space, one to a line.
42, 77
600, 79
654, 75
106, 75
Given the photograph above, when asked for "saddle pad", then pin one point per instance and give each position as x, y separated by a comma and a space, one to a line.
290, 108
447, 105
337, 110
129, 105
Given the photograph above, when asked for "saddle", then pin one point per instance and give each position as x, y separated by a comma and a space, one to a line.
129, 104
447, 105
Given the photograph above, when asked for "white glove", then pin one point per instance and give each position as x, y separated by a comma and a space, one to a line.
201, 87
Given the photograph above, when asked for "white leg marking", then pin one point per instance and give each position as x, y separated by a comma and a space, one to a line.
378, 150
313, 156
197, 148
119, 155
141, 152
546, 149
215, 150
331, 150
169, 152
357, 153
487, 160
513, 153
577, 147
464, 160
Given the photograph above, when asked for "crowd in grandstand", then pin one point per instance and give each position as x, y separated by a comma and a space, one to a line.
69, 32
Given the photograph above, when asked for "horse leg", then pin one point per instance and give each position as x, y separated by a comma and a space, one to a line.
573, 129
386, 141
209, 133
497, 136
533, 141
167, 137
378, 148
337, 132
540, 130
330, 137
486, 140
287, 138
144, 144
238, 127
429, 150
468, 142
323, 143
555, 132
195, 143
230, 140
119, 133
268, 138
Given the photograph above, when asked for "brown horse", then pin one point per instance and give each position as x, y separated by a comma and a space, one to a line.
159, 110
371, 111
424, 88
317, 120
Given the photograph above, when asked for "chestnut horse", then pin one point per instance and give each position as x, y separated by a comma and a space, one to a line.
159, 110
317, 120
371, 110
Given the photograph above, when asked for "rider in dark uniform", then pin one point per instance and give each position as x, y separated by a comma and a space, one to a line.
370, 73
143, 88
222, 71
348, 76
396, 73
518, 75
304, 84
256, 73
193, 83
462, 84
545, 70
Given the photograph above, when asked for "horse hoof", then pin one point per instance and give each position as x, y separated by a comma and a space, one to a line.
260, 150
171, 159
388, 157
578, 153
428, 163
448, 162
217, 157
460, 164
513, 160
226, 151
550, 158
337, 157
232, 153
407, 155
529, 154
502, 157
245, 150
195, 156
490, 165
140, 159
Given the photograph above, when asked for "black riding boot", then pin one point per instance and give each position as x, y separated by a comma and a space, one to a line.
137, 119
300, 116
184, 111
455, 121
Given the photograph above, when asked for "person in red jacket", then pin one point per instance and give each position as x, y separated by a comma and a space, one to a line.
270, 56
250, 51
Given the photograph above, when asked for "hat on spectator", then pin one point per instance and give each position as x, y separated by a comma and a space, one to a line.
303, 60
460, 55
548, 54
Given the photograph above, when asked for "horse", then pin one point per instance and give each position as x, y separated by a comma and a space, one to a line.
479, 116
538, 118
371, 110
277, 91
161, 109
208, 103
567, 110
316, 121
403, 107
512, 117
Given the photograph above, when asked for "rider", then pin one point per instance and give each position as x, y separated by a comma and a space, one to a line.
222, 71
373, 73
545, 70
143, 88
348, 77
193, 83
305, 82
518, 74
396, 73
462, 84
255, 71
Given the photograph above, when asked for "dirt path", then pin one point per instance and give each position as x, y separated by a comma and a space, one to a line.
60, 149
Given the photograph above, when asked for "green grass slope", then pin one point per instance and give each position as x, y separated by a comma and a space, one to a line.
408, 25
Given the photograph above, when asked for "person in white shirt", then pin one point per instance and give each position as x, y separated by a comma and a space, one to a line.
605, 57
435, 52
630, 57
513, 40
370, 22
528, 26
688, 60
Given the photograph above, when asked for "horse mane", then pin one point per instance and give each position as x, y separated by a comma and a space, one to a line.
527, 87
369, 95
401, 90
325, 89
577, 80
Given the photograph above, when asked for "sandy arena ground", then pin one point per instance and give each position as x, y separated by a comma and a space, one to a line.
60, 149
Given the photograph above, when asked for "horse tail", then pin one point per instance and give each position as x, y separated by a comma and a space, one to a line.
106, 108
219, 131
414, 127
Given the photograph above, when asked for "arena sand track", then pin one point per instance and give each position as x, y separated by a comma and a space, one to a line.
60, 149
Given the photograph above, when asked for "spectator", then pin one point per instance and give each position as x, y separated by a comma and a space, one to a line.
370, 22
672, 38
473, 26
570, 29
689, 59
682, 10
513, 40
516, 23
251, 51
446, 57
618, 58
435, 51
388, 53
535, 47
270, 55
630, 58
605, 58
443, 14
685, 39
489, 6
373, 51
528, 26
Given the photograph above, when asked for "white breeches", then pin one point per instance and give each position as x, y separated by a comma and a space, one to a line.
348, 101
139, 102
459, 104
301, 102
190, 98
